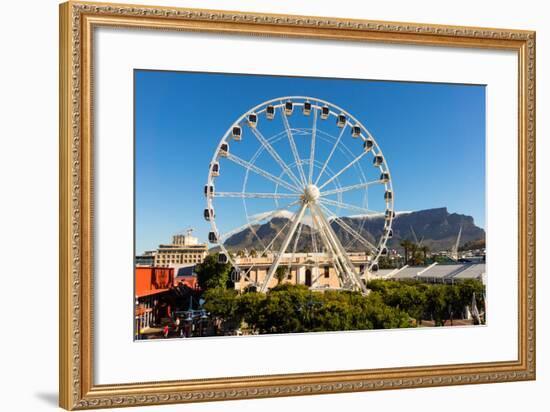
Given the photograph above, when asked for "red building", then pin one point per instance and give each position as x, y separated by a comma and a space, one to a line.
189, 281
152, 287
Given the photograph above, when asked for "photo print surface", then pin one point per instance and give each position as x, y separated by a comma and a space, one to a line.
273, 205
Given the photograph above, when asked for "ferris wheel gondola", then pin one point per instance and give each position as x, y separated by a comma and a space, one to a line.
306, 108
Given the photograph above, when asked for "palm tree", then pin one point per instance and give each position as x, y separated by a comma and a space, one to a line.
425, 249
406, 245
414, 249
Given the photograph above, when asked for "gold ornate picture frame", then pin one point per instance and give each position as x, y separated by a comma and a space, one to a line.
78, 20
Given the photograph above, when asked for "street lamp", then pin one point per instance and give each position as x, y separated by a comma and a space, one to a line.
203, 320
189, 318
189, 322
154, 319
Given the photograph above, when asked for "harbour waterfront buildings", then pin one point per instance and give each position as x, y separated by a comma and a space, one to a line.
316, 271
311, 269
184, 249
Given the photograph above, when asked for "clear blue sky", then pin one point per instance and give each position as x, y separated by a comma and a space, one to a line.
432, 135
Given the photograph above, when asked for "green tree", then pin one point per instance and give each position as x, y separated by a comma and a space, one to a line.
385, 262
455, 307
426, 301
414, 256
386, 317
250, 309
466, 289
280, 312
289, 308
223, 306
425, 249
406, 245
331, 315
436, 304
212, 274
409, 296
280, 274
294, 308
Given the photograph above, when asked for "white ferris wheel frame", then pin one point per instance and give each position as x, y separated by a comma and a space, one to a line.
348, 276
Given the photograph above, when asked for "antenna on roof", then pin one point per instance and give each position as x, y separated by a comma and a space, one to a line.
187, 231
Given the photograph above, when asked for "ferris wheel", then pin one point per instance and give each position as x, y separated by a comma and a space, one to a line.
300, 175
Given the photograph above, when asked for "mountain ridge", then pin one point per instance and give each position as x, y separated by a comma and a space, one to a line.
437, 228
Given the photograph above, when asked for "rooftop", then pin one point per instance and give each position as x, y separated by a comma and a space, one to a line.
440, 273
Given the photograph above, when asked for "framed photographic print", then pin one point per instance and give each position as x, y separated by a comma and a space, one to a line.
288, 205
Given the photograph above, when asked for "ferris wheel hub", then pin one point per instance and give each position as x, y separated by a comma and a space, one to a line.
311, 193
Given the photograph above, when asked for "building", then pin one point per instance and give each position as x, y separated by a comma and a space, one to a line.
185, 274
184, 249
152, 290
146, 259
316, 271
438, 273
311, 269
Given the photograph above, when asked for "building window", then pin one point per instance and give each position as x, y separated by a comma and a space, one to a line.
327, 271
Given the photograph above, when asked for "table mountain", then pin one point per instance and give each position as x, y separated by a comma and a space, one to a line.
437, 228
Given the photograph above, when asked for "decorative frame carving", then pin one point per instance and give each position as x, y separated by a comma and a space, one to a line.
77, 21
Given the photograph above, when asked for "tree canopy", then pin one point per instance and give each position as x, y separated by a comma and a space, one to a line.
439, 302
212, 274
289, 308
294, 308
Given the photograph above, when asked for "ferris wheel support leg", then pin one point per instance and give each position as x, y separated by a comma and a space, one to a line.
286, 241
317, 228
296, 238
342, 255
326, 238
351, 231
340, 271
